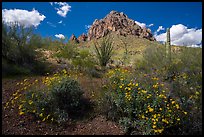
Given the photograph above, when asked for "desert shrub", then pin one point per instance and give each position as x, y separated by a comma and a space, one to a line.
83, 61
9, 69
141, 109
153, 58
52, 99
183, 78
66, 94
104, 51
18, 47
68, 51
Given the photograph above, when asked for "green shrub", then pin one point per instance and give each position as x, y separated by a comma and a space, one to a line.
68, 51
66, 94
18, 48
52, 99
142, 109
83, 61
10, 69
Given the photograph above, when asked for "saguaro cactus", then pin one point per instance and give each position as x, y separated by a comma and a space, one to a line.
168, 45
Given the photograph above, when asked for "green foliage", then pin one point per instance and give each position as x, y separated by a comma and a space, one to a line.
52, 99
153, 58
104, 51
68, 51
80, 58
9, 69
183, 78
18, 48
141, 108
66, 94
84, 61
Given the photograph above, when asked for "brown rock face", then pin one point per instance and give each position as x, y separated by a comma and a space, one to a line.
119, 23
73, 38
82, 38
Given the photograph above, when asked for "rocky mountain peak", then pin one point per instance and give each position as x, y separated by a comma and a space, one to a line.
74, 38
117, 22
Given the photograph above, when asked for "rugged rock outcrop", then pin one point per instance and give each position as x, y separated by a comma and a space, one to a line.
73, 38
82, 38
119, 23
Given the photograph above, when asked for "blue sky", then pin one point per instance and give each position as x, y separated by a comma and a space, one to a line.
184, 15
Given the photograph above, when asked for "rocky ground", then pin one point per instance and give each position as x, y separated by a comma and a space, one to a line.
14, 124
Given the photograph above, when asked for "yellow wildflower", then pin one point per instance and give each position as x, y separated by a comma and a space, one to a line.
144, 91
160, 108
43, 119
160, 130
151, 109
177, 106
41, 115
154, 126
173, 102
21, 113
30, 102
120, 86
48, 116
164, 120
20, 106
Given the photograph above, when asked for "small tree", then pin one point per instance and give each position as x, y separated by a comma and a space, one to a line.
104, 51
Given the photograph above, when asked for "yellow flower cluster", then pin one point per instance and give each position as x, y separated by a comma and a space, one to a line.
26, 99
128, 96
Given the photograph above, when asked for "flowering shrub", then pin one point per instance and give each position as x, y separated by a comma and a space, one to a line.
147, 110
49, 99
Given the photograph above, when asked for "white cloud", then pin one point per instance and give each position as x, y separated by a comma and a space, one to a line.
181, 35
63, 9
160, 28
23, 17
60, 22
61, 36
150, 25
143, 25
51, 24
